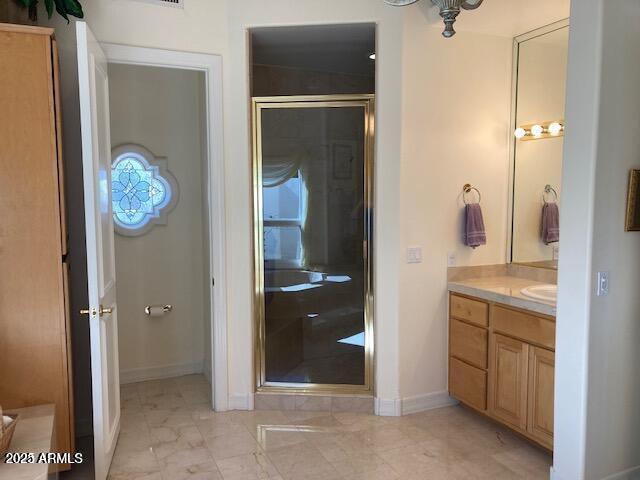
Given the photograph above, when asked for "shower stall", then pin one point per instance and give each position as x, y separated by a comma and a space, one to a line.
313, 210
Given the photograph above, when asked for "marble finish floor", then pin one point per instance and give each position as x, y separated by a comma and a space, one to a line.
170, 433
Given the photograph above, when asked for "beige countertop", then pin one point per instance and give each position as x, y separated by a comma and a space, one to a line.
505, 290
33, 434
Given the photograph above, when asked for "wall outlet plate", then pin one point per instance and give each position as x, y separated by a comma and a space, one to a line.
451, 259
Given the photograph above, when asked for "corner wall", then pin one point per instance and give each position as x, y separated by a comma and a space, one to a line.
613, 418
597, 427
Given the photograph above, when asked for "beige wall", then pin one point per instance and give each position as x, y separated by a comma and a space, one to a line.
455, 118
418, 145
160, 109
200, 27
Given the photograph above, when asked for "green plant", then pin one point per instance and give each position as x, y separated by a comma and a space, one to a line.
63, 7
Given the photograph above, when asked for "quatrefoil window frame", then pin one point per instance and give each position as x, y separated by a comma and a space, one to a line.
157, 166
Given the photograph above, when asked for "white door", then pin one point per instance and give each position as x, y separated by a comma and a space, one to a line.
96, 160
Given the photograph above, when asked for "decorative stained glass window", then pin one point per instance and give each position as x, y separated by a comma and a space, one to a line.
142, 190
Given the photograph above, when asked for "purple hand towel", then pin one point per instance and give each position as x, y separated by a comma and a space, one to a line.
550, 223
474, 232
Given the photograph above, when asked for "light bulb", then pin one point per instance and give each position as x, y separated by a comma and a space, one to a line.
520, 133
537, 130
555, 128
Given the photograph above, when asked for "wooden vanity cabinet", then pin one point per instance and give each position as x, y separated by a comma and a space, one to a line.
501, 363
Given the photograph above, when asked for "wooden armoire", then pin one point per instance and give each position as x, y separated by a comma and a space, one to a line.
35, 343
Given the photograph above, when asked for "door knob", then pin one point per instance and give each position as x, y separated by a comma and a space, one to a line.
93, 311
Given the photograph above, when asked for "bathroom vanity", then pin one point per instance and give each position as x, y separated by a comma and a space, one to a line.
502, 317
502, 353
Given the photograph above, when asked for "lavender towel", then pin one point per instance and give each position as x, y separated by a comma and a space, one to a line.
474, 232
550, 223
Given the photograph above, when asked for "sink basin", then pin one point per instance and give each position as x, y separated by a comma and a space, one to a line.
547, 293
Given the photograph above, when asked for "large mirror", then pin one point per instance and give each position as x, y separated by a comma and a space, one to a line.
540, 61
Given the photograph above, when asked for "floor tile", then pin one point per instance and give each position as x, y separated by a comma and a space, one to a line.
169, 432
254, 466
232, 445
203, 471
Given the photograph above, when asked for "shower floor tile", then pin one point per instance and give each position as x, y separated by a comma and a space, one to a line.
170, 433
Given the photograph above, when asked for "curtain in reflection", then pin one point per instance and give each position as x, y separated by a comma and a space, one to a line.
278, 169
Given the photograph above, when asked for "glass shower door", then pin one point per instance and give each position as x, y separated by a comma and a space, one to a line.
313, 211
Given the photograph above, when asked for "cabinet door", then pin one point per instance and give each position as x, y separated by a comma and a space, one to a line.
508, 380
541, 386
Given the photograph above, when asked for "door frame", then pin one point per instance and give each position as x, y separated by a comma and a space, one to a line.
211, 66
367, 102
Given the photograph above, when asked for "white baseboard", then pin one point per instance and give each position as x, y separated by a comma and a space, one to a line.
241, 401
396, 407
134, 375
630, 474
429, 401
553, 474
388, 407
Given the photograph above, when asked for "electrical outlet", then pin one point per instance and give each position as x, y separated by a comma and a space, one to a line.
603, 284
451, 259
414, 255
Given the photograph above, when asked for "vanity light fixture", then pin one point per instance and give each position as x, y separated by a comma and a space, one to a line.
537, 131
449, 10
555, 129
520, 133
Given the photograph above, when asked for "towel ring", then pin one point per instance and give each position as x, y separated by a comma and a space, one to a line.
468, 188
548, 189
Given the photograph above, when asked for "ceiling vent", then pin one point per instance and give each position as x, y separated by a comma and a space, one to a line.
165, 3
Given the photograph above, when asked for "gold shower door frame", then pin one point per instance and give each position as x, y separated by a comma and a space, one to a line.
367, 103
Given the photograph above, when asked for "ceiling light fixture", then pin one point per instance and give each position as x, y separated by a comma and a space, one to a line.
449, 10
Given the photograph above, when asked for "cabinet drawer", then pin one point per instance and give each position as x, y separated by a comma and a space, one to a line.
468, 384
527, 327
470, 310
468, 343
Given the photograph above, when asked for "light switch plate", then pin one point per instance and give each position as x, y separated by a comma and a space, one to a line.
414, 255
451, 259
603, 284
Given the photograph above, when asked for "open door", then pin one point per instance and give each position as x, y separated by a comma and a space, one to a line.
96, 160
